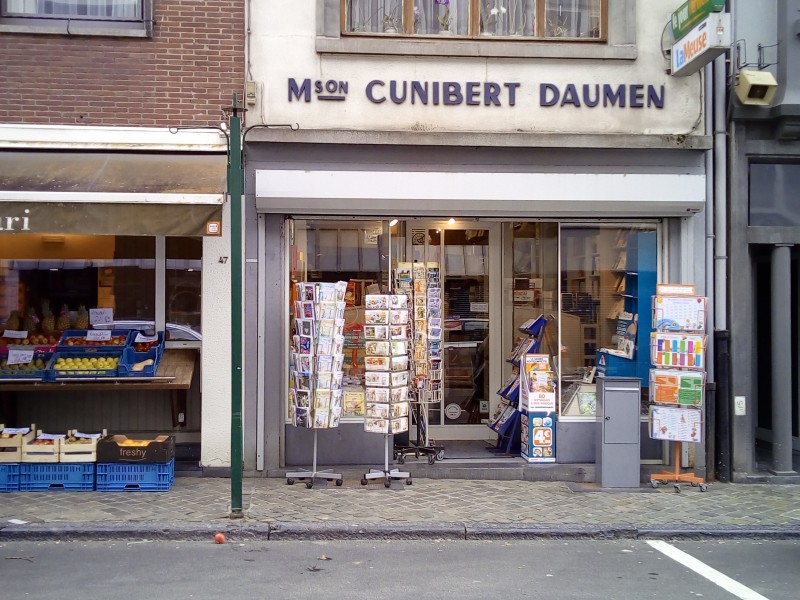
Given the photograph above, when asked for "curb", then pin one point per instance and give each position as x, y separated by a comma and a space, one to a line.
262, 531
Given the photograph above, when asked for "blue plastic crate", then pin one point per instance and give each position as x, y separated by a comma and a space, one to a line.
124, 477
53, 373
40, 374
86, 347
42, 477
9, 477
159, 346
130, 357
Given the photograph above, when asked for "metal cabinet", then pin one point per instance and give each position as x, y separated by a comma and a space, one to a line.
617, 457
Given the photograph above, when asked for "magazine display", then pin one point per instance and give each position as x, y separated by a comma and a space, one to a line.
315, 390
386, 349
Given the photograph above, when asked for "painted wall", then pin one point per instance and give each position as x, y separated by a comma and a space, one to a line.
215, 361
282, 46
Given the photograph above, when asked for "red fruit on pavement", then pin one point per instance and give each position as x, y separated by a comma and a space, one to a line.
219, 538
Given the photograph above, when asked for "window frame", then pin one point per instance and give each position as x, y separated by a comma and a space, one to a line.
141, 27
474, 26
620, 41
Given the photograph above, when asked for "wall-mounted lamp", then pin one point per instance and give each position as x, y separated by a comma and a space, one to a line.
451, 221
393, 222
755, 88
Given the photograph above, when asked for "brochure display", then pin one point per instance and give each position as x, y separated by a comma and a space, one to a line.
421, 283
514, 396
386, 362
677, 384
537, 403
317, 356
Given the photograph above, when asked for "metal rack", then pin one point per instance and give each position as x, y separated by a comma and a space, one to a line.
310, 476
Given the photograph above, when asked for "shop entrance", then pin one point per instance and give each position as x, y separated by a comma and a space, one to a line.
468, 257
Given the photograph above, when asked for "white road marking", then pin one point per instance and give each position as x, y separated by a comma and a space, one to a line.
699, 567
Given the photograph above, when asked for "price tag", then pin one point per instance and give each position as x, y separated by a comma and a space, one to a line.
20, 357
16, 430
102, 335
91, 436
101, 316
142, 338
18, 335
51, 436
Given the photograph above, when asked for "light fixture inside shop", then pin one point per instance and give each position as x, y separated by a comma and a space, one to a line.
451, 221
393, 222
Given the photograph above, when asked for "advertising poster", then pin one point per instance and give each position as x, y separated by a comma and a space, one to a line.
676, 424
538, 437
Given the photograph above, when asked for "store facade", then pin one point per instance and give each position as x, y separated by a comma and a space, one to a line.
534, 184
132, 223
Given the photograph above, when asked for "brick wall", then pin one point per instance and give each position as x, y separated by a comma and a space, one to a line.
183, 75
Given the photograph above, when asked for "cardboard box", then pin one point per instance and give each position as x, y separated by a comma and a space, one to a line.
119, 448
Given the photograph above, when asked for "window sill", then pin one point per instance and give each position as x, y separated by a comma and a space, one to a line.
76, 28
472, 48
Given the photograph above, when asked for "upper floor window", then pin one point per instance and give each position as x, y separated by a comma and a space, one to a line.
514, 19
132, 18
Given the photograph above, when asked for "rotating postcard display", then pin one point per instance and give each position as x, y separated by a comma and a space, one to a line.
386, 376
677, 383
316, 364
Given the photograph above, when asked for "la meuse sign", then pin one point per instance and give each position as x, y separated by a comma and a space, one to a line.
690, 13
474, 93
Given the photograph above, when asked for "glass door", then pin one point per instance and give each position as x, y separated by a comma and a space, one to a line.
468, 257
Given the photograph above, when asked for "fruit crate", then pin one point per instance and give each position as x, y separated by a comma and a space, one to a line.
27, 371
11, 447
158, 345
62, 373
74, 477
141, 477
33, 452
9, 477
130, 358
78, 452
75, 339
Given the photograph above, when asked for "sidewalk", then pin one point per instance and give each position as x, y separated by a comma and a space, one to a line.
195, 508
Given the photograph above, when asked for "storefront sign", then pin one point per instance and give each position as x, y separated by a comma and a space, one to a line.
485, 93
16, 223
452, 411
708, 40
691, 13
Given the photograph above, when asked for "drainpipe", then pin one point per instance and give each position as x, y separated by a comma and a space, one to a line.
711, 398
723, 419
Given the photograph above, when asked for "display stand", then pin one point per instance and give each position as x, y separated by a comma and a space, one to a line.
317, 357
421, 283
677, 383
310, 476
386, 362
386, 473
506, 421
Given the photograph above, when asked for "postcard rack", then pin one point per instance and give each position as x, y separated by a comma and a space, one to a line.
387, 474
310, 476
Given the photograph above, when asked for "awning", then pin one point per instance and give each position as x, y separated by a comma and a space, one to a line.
485, 194
111, 193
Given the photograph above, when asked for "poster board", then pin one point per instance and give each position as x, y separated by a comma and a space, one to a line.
676, 424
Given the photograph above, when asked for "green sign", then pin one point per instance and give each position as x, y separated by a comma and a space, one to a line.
691, 13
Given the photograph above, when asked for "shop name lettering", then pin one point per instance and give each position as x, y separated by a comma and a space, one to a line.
15, 223
473, 93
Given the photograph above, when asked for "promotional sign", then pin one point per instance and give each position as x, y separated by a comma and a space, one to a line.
538, 437
708, 40
676, 424
691, 13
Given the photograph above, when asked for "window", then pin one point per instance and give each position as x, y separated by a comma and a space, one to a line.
131, 18
511, 19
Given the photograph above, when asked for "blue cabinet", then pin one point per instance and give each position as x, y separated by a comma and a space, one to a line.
639, 271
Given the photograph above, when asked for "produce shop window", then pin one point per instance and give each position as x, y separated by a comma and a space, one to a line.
511, 19
127, 18
342, 250
49, 283
183, 287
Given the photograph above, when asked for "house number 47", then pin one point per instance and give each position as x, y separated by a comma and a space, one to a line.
223, 259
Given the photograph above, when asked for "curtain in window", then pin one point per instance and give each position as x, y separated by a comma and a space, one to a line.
79, 9
450, 16
508, 17
375, 16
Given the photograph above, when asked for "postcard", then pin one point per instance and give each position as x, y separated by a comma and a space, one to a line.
321, 418
420, 300
434, 292
336, 399
325, 311
325, 345
420, 286
326, 292
434, 303
302, 380
376, 425
399, 410
420, 353
325, 328
377, 411
398, 301
404, 271
324, 363
420, 325
398, 317
399, 363
302, 398
304, 327
399, 378
301, 417
338, 361
374, 348
435, 333
302, 362
338, 344
341, 290
376, 363
419, 270
308, 310
376, 332
398, 348
399, 394
322, 399
376, 302
377, 395
400, 425
335, 418
376, 378
398, 332
376, 317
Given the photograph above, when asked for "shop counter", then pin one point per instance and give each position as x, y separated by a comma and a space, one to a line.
174, 374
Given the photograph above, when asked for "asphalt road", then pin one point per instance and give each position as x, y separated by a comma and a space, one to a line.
620, 570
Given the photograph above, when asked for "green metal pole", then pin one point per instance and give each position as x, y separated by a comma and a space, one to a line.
235, 190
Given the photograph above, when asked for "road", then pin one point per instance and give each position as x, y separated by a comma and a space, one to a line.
618, 570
